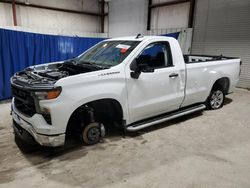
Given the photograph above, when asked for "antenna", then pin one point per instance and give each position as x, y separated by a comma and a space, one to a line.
139, 36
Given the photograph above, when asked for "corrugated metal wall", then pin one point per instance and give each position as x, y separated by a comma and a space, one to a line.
223, 27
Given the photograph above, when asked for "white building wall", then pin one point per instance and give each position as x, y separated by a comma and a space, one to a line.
127, 17
5, 15
174, 16
56, 22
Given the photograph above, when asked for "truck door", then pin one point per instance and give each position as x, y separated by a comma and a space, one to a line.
156, 92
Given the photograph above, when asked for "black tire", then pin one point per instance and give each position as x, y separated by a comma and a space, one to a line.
216, 99
91, 133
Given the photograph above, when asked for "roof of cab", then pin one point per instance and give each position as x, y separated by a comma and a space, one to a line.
134, 38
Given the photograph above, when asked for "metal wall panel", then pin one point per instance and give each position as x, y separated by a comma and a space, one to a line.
127, 17
59, 22
223, 27
174, 16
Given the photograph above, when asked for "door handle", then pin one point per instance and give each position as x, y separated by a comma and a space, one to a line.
173, 75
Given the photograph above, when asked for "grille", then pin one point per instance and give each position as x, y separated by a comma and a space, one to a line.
24, 102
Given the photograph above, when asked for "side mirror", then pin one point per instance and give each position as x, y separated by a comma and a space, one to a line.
135, 69
133, 65
138, 68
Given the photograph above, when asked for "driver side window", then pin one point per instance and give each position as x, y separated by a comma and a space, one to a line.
156, 55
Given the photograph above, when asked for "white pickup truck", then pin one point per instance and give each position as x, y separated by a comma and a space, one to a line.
130, 83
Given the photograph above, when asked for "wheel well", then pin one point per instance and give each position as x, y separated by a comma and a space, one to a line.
222, 83
106, 111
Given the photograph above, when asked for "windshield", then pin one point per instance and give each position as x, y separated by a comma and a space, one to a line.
108, 53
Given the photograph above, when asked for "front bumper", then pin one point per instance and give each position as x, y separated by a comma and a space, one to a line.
24, 128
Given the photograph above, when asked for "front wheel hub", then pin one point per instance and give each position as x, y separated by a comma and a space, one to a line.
93, 133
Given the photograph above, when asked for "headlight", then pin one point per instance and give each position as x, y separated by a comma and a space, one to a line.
46, 95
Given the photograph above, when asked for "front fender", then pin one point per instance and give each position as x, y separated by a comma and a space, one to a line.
102, 96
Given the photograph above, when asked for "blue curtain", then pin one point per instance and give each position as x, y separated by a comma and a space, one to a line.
19, 50
174, 35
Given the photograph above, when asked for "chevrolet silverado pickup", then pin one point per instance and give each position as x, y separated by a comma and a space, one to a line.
129, 83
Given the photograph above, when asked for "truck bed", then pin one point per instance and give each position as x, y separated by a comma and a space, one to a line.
203, 58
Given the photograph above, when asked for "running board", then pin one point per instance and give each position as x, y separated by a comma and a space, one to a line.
168, 117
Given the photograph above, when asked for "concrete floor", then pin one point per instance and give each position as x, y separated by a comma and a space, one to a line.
201, 150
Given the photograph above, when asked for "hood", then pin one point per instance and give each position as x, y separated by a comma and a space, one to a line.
48, 74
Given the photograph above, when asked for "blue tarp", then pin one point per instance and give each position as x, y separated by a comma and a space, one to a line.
19, 50
174, 35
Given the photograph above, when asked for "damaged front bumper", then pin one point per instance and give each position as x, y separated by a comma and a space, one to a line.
24, 129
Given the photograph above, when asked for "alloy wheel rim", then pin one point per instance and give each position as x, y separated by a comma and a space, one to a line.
216, 99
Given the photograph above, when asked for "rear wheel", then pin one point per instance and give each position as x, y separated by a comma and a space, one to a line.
215, 99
